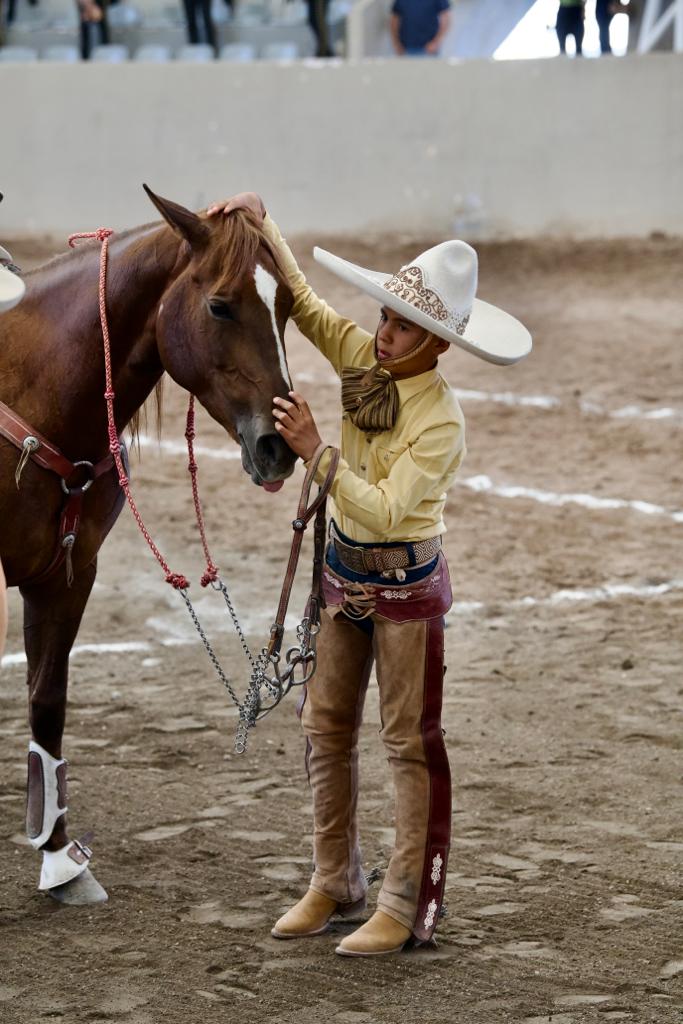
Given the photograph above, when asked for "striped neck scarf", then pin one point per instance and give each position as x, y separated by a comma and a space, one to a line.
369, 393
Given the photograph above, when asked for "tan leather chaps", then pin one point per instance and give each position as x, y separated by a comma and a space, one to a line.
409, 661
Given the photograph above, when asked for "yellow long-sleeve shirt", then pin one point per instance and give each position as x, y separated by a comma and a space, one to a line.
390, 486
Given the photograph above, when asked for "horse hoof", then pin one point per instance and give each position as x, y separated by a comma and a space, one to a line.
79, 891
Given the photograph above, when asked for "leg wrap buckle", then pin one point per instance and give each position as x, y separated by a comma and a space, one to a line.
46, 801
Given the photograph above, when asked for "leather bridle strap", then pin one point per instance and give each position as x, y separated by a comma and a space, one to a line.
33, 445
305, 513
18, 431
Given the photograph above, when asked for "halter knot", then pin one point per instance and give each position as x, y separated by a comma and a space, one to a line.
210, 576
102, 234
177, 580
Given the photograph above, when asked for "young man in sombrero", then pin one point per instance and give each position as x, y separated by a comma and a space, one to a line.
11, 290
386, 579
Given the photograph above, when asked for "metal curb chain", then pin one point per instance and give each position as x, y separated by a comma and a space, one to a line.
251, 708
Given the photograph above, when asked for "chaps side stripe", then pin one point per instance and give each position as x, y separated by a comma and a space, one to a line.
439, 822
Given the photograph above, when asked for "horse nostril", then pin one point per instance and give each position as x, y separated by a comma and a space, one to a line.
270, 450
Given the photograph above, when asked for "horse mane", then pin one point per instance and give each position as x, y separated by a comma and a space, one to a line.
139, 419
243, 235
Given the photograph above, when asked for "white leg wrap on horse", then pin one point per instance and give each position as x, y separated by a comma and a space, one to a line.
63, 865
46, 801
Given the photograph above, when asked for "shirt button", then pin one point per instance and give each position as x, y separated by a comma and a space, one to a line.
368, 440
362, 466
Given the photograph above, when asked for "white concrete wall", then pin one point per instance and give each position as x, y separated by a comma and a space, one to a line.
367, 30
482, 149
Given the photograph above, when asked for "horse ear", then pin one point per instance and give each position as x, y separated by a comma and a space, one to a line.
184, 222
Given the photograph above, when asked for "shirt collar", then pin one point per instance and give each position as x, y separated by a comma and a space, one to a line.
411, 386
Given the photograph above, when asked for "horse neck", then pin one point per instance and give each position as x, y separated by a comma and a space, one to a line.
62, 300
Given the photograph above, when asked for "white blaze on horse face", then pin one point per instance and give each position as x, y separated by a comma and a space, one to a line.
266, 286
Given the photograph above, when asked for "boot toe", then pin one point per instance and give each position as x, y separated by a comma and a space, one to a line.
380, 936
310, 916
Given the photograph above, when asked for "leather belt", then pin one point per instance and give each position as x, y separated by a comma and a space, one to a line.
378, 560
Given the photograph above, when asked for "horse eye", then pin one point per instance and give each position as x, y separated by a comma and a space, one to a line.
220, 310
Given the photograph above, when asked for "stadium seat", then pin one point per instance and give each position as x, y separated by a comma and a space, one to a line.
61, 54
293, 13
122, 15
280, 51
247, 16
220, 12
111, 53
17, 55
241, 53
339, 9
152, 54
196, 53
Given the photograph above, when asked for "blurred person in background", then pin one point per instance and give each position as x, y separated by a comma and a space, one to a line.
204, 33
12, 9
419, 26
604, 12
317, 19
570, 22
92, 16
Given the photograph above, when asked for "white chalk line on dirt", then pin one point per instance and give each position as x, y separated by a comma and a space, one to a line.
480, 484
180, 448
111, 648
484, 485
592, 595
510, 398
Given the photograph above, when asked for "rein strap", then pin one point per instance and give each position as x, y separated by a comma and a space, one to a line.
304, 514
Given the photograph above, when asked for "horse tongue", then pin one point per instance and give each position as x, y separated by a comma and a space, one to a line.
272, 488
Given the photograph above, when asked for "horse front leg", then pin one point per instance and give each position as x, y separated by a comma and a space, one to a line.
52, 616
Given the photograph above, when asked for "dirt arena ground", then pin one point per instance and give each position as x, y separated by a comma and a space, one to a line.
562, 709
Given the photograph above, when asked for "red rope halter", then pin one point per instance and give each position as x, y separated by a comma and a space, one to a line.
177, 580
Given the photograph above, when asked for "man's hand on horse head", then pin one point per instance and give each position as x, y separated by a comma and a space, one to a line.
242, 201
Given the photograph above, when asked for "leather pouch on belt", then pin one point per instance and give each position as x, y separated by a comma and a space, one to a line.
429, 598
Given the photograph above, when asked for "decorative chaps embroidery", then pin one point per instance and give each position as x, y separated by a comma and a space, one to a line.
437, 864
431, 912
335, 582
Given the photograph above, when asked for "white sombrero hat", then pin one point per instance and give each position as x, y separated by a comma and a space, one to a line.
11, 286
436, 290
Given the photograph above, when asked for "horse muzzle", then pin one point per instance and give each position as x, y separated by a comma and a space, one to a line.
266, 458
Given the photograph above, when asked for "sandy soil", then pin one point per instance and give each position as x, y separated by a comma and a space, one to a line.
563, 715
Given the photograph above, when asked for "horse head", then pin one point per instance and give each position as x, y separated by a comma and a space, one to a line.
220, 331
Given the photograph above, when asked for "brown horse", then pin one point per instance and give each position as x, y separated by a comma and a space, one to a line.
204, 300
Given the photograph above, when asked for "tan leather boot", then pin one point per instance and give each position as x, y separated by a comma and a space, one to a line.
311, 916
379, 936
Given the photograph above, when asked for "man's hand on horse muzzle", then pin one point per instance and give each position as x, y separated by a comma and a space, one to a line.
294, 422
